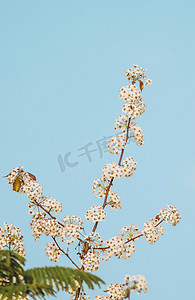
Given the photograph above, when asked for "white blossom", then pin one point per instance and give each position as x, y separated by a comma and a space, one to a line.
90, 262
73, 225
114, 201
121, 123
53, 252
136, 283
129, 166
117, 143
170, 215
112, 170
11, 238
96, 213
100, 187
152, 231
116, 291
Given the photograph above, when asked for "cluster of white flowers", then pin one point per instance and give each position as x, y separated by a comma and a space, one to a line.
114, 201
100, 186
117, 143
116, 291
112, 170
73, 225
136, 133
134, 109
136, 283
27, 184
52, 205
128, 232
129, 166
152, 231
170, 215
95, 213
11, 238
130, 93
91, 262
41, 224
116, 246
32, 188
53, 252
135, 73
121, 123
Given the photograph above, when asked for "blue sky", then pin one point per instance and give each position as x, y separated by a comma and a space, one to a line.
62, 64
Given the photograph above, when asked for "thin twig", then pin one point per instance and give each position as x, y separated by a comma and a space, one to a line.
111, 181
67, 255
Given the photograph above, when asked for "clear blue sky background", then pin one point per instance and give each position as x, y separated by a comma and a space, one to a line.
62, 64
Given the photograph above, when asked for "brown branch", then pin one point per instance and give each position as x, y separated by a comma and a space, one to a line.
131, 239
45, 210
67, 255
112, 179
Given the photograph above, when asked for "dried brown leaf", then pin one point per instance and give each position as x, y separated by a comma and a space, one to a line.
141, 85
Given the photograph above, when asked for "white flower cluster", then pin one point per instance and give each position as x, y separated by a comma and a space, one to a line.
116, 291
11, 238
95, 213
136, 283
100, 186
152, 231
170, 215
129, 166
53, 252
136, 133
130, 94
112, 170
27, 184
134, 109
91, 262
41, 224
32, 188
121, 123
42, 221
73, 225
128, 232
135, 73
52, 205
133, 105
117, 143
116, 246
114, 201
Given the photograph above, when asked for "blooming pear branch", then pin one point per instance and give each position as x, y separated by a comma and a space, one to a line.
91, 247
